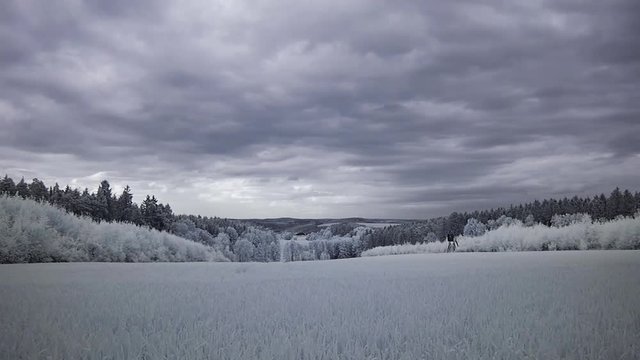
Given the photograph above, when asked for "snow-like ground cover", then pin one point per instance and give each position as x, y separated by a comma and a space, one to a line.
525, 305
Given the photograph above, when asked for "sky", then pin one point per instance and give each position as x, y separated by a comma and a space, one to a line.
388, 109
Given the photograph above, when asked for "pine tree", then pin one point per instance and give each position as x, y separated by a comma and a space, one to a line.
124, 208
104, 199
165, 216
71, 200
22, 189
627, 207
599, 207
150, 213
86, 204
614, 204
56, 195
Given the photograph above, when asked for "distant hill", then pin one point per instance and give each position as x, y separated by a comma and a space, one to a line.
307, 226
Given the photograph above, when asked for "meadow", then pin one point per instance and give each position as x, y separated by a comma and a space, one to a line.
505, 305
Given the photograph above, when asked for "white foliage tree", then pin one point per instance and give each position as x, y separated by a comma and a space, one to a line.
474, 228
568, 219
244, 250
529, 220
502, 221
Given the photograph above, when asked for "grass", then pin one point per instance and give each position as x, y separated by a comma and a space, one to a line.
535, 305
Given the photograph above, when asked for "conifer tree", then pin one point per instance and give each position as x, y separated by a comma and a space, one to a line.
22, 189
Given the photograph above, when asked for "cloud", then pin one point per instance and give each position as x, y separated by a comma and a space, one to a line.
288, 108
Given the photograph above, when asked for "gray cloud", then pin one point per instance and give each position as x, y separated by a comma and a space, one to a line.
359, 108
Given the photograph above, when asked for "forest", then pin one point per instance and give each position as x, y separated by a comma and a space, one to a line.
599, 207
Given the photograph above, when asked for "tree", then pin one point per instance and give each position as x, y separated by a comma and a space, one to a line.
287, 251
165, 216
7, 186
37, 190
529, 220
154, 215
22, 189
104, 210
507, 221
345, 249
455, 223
244, 249
85, 203
599, 207
150, 213
474, 228
431, 237
232, 232
124, 208
71, 200
628, 206
614, 204
274, 251
56, 195
568, 219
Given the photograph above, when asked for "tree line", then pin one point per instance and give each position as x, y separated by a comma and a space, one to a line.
600, 207
100, 206
236, 240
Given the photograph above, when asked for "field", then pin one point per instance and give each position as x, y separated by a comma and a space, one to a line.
528, 305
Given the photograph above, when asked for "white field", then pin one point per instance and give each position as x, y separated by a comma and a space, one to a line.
528, 305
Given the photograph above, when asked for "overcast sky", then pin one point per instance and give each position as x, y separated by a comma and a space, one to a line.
398, 109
